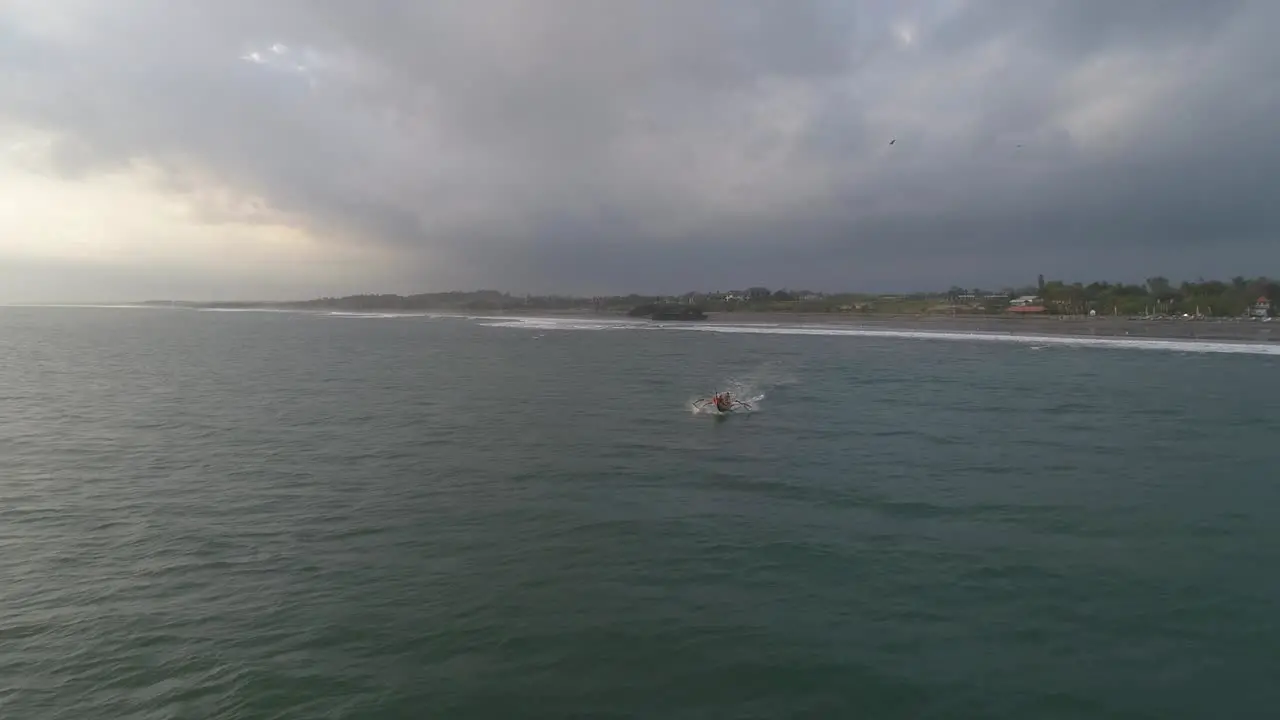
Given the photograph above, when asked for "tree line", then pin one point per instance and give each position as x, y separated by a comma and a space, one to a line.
1158, 295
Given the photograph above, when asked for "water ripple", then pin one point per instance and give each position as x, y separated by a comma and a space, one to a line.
252, 516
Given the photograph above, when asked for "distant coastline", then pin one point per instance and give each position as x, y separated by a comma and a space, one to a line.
1236, 310
1156, 299
1136, 328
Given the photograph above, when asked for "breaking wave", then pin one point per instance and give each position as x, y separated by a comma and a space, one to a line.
1127, 343
247, 310
377, 315
558, 324
538, 323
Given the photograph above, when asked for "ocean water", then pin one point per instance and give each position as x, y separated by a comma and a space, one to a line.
286, 515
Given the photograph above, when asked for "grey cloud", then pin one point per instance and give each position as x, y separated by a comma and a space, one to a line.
629, 145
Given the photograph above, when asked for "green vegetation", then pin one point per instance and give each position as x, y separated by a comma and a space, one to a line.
668, 311
1158, 296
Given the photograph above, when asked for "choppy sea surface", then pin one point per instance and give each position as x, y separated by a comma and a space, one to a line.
289, 515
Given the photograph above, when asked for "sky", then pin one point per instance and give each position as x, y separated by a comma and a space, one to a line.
238, 149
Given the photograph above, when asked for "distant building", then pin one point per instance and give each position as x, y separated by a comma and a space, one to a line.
1026, 304
1261, 308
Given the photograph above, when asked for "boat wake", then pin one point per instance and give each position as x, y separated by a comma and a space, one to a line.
751, 388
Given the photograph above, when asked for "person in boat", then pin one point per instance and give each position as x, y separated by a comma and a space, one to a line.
723, 402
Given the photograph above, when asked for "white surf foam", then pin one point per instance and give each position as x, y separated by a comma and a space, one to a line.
376, 315
1192, 346
1125, 343
540, 323
248, 310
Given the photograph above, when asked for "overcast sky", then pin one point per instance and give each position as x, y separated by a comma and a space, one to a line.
292, 148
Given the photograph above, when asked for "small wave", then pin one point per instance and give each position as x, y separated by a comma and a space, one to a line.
277, 311
538, 323
376, 316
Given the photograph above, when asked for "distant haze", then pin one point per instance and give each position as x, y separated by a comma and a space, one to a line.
287, 149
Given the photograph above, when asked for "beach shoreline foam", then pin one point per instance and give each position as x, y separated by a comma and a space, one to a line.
1214, 330
934, 332
1228, 330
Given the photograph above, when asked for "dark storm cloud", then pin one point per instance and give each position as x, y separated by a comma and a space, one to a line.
670, 145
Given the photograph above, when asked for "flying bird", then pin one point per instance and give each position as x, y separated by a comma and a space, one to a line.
893, 141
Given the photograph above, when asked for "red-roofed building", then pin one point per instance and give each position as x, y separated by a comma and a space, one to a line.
1262, 308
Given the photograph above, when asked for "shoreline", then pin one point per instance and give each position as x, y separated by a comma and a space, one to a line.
1207, 329
1103, 327
1230, 330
